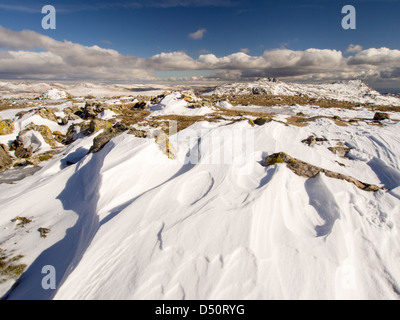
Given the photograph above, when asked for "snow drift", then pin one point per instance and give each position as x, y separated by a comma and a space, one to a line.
129, 223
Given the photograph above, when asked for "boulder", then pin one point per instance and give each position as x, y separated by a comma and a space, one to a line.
22, 153
44, 131
140, 106
92, 109
103, 138
260, 121
5, 159
6, 127
380, 116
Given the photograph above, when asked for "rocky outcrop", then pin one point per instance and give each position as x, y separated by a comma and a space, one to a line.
44, 131
103, 138
6, 127
85, 129
5, 159
307, 170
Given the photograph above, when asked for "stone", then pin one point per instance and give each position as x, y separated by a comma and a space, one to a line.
47, 113
22, 153
164, 144
5, 159
103, 138
44, 131
6, 127
342, 151
380, 116
43, 232
140, 106
260, 121
310, 141
307, 170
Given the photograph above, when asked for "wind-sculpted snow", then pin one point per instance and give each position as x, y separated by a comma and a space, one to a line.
129, 223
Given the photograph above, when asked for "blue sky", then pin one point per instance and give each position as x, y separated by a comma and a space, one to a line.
144, 29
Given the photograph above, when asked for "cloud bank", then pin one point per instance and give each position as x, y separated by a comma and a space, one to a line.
30, 55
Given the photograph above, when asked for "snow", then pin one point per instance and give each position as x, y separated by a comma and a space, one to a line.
34, 139
129, 223
352, 91
55, 94
175, 104
209, 230
107, 115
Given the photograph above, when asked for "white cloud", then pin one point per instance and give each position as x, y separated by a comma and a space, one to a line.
354, 48
198, 35
30, 55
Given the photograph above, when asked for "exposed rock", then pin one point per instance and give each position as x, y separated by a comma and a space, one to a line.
258, 90
380, 116
5, 159
85, 129
92, 109
138, 133
22, 153
142, 105
102, 139
307, 170
165, 145
44, 131
72, 110
58, 136
310, 141
47, 113
43, 232
97, 125
20, 114
6, 127
158, 99
260, 121
341, 151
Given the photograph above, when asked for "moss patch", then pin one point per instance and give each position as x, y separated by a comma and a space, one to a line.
6, 127
9, 269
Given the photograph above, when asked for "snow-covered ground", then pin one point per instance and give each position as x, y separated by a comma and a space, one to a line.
30, 90
352, 91
130, 223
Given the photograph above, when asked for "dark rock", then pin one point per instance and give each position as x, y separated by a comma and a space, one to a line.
310, 141
102, 139
380, 116
260, 121
140, 106
22, 153
43, 232
5, 159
